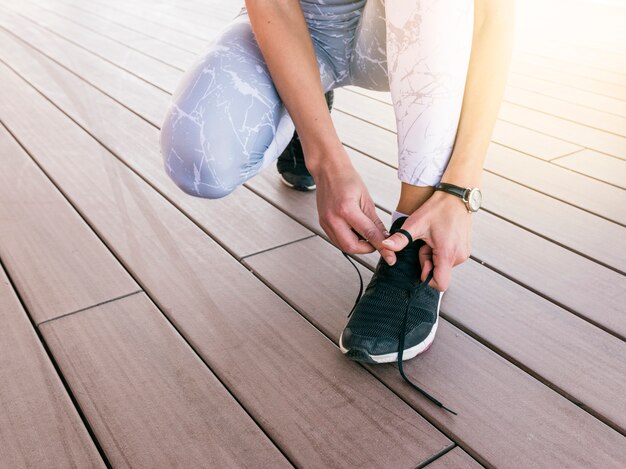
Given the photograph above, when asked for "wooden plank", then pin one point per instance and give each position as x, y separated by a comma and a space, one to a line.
56, 261
149, 399
505, 133
524, 140
136, 143
583, 192
161, 75
569, 226
529, 259
146, 100
567, 79
573, 112
578, 134
530, 83
39, 426
589, 99
520, 204
152, 47
300, 206
506, 418
596, 165
265, 353
454, 459
542, 176
142, 25
562, 337
533, 60
169, 15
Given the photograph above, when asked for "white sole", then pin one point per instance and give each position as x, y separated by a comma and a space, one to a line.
408, 353
288, 184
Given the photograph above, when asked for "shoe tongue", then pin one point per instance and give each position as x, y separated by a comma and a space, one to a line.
407, 266
396, 225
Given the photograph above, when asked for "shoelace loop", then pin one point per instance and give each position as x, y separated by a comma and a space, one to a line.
412, 296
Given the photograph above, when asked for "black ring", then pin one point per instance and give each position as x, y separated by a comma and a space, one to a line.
407, 234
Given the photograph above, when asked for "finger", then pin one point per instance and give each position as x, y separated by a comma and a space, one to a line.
443, 263
370, 211
387, 254
416, 228
348, 240
366, 227
426, 261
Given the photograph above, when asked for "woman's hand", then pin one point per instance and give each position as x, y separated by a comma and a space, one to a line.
445, 225
343, 202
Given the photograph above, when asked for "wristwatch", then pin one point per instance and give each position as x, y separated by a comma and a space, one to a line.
471, 196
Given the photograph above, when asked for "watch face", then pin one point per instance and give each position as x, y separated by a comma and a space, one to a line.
475, 199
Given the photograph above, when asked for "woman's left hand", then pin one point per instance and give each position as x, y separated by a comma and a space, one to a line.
444, 223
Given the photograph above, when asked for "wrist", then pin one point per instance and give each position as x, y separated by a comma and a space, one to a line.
449, 200
323, 158
464, 172
470, 197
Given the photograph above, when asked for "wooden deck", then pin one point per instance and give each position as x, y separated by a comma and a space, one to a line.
142, 327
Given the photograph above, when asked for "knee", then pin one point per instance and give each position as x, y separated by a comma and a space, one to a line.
190, 157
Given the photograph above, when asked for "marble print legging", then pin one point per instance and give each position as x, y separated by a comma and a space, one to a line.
227, 122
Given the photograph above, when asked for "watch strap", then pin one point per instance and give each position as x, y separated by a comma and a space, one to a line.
452, 189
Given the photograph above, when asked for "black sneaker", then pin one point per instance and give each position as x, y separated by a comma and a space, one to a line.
394, 295
290, 163
396, 317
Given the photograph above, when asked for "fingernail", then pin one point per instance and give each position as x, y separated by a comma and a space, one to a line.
388, 242
386, 233
390, 260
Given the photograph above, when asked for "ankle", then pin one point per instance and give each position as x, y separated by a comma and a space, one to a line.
413, 197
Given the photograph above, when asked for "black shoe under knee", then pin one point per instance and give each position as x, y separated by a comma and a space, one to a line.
290, 163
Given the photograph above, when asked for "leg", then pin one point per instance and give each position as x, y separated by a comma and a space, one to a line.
428, 50
226, 121
420, 51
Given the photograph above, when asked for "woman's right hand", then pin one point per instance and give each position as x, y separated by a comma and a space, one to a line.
343, 202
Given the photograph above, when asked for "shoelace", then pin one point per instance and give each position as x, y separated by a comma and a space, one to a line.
412, 296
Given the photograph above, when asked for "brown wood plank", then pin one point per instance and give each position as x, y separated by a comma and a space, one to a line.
533, 60
56, 261
576, 81
168, 15
532, 260
573, 132
454, 459
596, 165
267, 355
581, 191
153, 47
506, 418
300, 205
542, 176
161, 75
149, 399
589, 99
530, 83
507, 134
136, 142
135, 23
39, 425
572, 112
508, 317
143, 98
582, 231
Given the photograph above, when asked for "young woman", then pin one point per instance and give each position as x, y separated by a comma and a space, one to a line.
266, 75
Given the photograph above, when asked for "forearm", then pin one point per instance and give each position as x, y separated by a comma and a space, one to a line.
484, 89
286, 45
